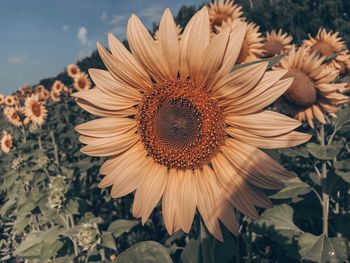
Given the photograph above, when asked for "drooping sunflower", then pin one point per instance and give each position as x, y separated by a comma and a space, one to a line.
10, 100
73, 70
35, 110
2, 99
277, 42
252, 46
180, 127
222, 10
82, 82
55, 96
312, 92
14, 115
326, 44
6, 142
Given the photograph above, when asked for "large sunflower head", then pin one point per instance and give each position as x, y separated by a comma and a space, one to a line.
6, 142
252, 47
180, 127
277, 42
326, 44
82, 82
73, 70
222, 10
312, 92
35, 110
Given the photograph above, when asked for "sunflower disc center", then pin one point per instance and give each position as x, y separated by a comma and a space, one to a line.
324, 49
273, 47
302, 92
36, 109
180, 126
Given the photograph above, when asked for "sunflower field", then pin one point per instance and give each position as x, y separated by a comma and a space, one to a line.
220, 135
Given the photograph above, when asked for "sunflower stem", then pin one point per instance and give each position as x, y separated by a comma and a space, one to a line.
39, 143
325, 195
24, 135
55, 148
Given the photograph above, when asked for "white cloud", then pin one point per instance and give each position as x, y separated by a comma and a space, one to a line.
118, 23
103, 16
65, 28
16, 59
82, 35
152, 13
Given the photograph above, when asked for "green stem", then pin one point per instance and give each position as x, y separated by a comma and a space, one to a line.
55, 148
325, 195
39, 142
24, 134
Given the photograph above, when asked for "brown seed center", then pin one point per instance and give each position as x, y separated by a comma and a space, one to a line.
302, 92
8, 143
180, 125
81, 83
273, 48
323, 48
36, 109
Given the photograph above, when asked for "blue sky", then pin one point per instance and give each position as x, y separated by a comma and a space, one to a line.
39, 38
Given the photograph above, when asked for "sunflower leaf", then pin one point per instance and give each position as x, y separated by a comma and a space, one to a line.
322, 249
294, 188
145, 252
271, 62
121, 226
327, 152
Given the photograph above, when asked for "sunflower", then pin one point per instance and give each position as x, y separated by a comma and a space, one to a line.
277, 42
73, 70
14, 115
10, 100
35, 110
312, 92
2, 99
326, 44
57, 86
6, 142
25, 90
181, 127
220, 11
44, 94
178, 30
55, 96
82, 82
252, 46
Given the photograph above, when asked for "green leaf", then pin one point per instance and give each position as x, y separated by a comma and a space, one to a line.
20, 223
330, 57
271, 62
120, 226
322, 249
48, 250
30, 247
344, 175
328, 152
108, 240
191, 253
294, 188
295, 152
279, 222
145, 252
342, 165
343, 118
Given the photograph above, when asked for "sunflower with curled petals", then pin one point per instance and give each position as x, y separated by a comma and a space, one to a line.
35, 110
312, 92
326, 44
277, 42
252, 47
222, 10
6, 142
180, 127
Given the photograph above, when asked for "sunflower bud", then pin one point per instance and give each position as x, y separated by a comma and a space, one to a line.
56, 198
88, 236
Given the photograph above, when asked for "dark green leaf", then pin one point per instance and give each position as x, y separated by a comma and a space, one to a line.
145, 252
322, 249
108, 240
295, 152
271, 62
328, 152
344, 175
121, 226
294, 188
